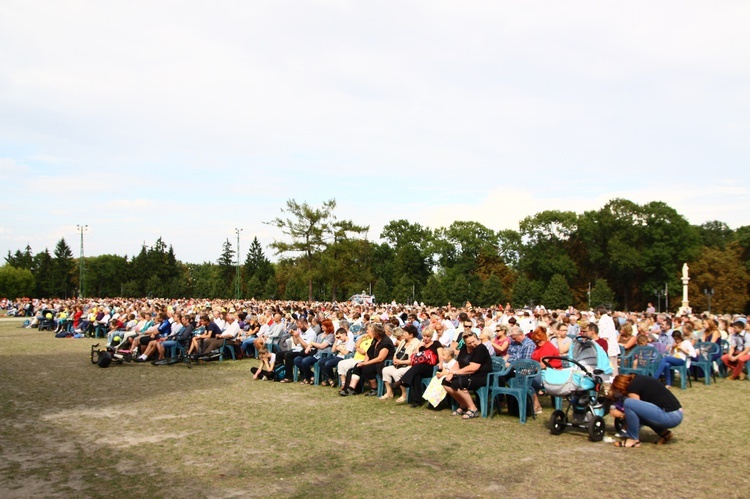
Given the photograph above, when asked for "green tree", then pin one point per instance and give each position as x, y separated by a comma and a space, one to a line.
256, 264
433, 292
715, 234
602, 294
106, 275
63, 268
227, 270
405, 290
344, 258
42, 271
381, 291
21, 259
254, 287
491, 293
460, 291
16, 283
412, 245
307, 227
271, 289
558, 294
523, 292
548, 243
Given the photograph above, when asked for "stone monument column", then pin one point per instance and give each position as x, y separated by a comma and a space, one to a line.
685, 308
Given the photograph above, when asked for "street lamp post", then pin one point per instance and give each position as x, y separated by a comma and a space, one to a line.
81, 229
709, 293
659, 294
237, 286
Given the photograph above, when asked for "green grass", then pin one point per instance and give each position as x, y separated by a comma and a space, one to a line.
73, 429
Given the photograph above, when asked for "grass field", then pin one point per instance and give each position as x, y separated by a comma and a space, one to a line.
70, 428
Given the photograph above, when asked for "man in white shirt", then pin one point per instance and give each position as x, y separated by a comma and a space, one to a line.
608, 332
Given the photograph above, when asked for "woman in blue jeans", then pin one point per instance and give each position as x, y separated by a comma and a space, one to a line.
646, 402
680, 351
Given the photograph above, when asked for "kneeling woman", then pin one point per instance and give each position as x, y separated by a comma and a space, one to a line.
646, 402
469, 373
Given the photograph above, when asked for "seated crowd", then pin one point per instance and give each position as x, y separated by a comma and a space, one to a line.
354, 346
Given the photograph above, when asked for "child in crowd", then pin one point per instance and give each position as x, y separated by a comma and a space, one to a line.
447, 361
267, 363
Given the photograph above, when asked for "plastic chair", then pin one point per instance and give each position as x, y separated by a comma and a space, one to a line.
100, 331
683, 372
706, 351
379, 378
518, 387
316, 366
483, 393
723, 371
641, 360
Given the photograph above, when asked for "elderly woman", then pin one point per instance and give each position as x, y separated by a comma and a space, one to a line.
422, 366
408, 345
646, 402
469, 373
380, 351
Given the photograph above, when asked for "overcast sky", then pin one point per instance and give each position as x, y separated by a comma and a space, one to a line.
187, 119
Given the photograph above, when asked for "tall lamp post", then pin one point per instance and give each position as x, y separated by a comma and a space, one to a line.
237, 280
709, 293
81, 229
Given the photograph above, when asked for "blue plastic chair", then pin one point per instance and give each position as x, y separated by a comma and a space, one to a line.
641, 360
316, 366
518, 387
483, 393
723, 371
683, 372
706, 351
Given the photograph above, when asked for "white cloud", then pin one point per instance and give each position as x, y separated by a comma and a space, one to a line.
146, 119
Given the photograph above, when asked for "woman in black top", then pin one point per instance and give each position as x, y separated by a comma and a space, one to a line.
469, 373
645, 402
417, 372
380, 350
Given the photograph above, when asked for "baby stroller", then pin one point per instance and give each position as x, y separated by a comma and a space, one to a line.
580, 383
47, 320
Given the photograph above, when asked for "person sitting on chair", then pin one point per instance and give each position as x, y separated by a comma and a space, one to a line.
469, 373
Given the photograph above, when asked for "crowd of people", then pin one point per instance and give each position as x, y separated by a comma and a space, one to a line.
404, 345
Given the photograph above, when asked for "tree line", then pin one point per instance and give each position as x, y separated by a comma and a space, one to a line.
624, 255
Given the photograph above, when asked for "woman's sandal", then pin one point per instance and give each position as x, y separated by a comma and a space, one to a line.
664, 437
624, 443
284, 381
401, 400
458, 412
470, 415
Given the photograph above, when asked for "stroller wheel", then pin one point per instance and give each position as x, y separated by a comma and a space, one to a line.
557, 422
596, 429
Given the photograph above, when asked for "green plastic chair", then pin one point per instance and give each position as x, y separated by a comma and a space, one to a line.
706, 350
518, 387
641, 360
